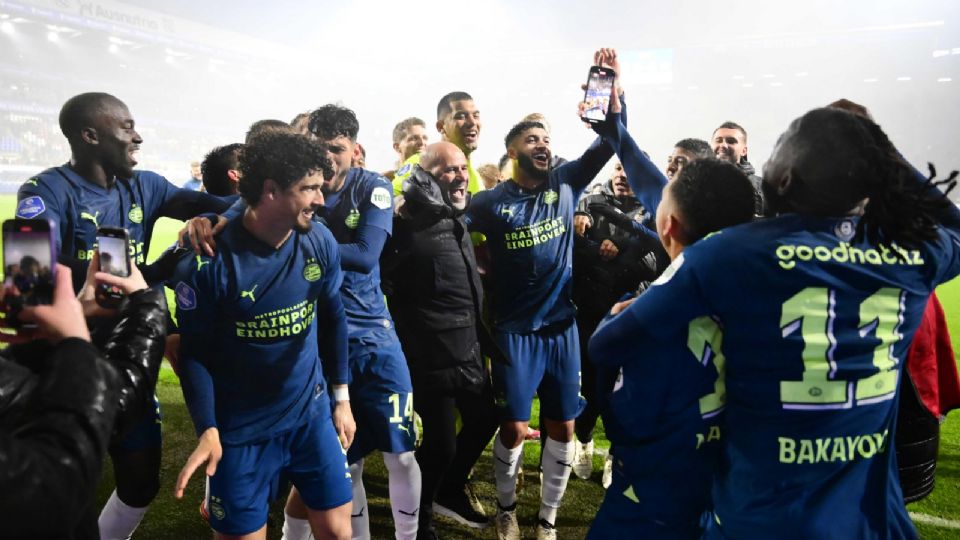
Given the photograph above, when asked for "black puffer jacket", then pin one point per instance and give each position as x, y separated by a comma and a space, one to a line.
429, 273
59, 406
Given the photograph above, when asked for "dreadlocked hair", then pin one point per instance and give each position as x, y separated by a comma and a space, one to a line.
901, 210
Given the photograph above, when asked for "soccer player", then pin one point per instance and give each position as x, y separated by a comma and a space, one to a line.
251, 319
663, 420
458, 121
409, 138
817, 305
97, 188
358, 209
684, 152
528, 225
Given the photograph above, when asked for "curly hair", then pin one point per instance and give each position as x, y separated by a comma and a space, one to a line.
331, 121
285, 158
519, 128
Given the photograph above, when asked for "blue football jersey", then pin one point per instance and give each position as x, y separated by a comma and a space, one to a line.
815, 332
530, 238
249, 333
663, 416
366, 199
78, 207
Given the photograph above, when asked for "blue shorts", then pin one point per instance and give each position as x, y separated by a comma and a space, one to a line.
624, 509
546, 363
146, 434
248, 476
381, 395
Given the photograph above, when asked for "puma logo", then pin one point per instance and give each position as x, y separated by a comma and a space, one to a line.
360, 514
91, 217
404, 429
506, 211
34, 181
200, 264
249, 294
411, 514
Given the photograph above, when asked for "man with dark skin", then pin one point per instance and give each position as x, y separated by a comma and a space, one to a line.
99, 187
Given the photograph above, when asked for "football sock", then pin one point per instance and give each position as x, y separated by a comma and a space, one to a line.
295, 528
359, 517
404, 493
557, 462
118, 520
506, 466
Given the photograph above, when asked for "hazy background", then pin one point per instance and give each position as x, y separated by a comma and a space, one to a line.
196, 74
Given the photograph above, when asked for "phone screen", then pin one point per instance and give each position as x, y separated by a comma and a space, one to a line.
28, 266
113, 255
597, 96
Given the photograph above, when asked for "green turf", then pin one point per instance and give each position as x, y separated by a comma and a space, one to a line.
173, 519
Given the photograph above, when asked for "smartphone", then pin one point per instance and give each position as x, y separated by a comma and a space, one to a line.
29, 265
597, 95
114, 248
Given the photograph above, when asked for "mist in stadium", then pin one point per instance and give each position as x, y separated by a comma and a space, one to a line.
196, 74
518, 292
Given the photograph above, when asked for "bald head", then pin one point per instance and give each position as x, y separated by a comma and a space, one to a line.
84, 110
448, 166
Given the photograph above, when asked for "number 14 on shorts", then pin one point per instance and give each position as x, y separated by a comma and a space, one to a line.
407, 415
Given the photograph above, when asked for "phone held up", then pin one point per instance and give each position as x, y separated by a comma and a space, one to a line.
29, 266
113, 246
597, 95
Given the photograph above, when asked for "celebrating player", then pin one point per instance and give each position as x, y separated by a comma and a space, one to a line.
249, 353
835, 285
528, 225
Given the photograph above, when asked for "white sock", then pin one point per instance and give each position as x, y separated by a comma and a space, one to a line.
296, 528
557, 462
405, 488
118, 520
506, 466
359, 517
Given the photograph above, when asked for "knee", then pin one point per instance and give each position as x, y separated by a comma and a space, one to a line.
401, 463
512, 433
138, 492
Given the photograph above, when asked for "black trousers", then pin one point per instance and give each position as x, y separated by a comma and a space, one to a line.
445, 456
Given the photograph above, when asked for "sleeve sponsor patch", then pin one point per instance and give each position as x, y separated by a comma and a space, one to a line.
381, 198
186, 297
407, 167
30, 207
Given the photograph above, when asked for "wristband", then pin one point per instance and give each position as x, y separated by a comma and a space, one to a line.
341, 393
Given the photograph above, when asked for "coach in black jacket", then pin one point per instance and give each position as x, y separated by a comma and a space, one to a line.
434, 294
61, 401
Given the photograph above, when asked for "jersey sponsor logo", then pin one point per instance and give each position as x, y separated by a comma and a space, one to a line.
845, 229
550, 197
249, 293
353, 219
280, 323
832, 449
186, 296
535, 234
90, 217
381, 198
670, 271
312, 272
135, 214
30, 208
789, 254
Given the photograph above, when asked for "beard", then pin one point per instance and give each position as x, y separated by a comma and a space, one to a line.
528, 166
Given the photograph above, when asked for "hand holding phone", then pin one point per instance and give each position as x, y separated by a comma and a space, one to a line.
61, 320
28, 264
596, 97
90, 295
